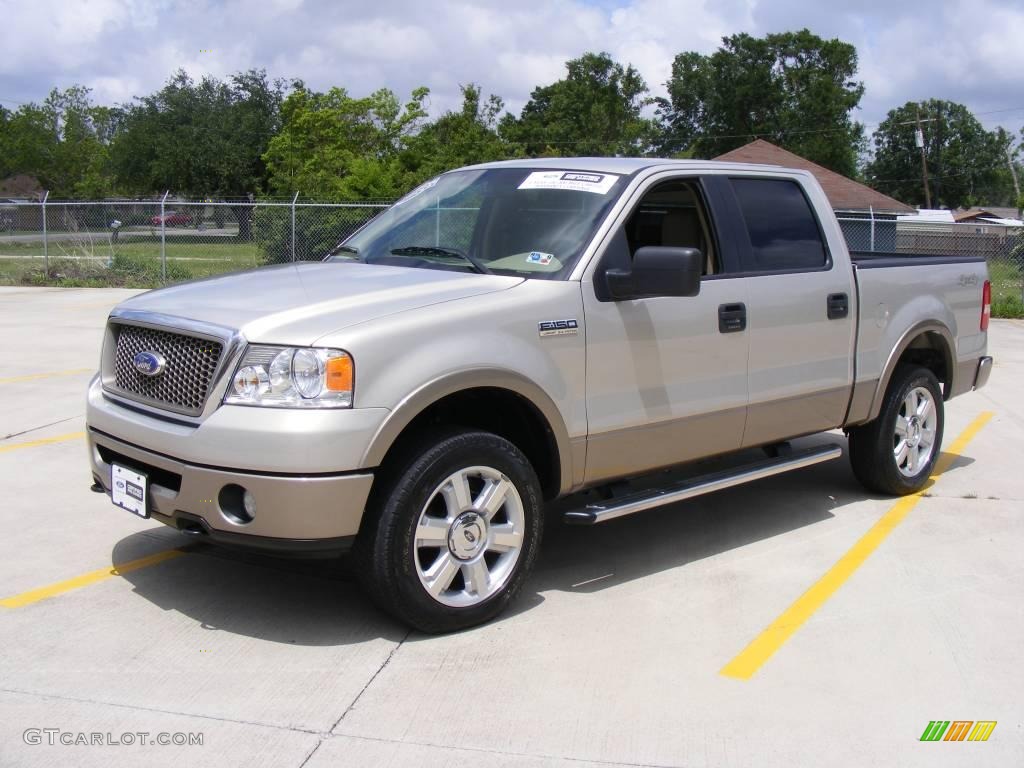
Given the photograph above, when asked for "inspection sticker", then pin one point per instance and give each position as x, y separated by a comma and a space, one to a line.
536, 257
579, 181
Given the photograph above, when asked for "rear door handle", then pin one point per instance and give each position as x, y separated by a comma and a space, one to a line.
838, 306
732, 318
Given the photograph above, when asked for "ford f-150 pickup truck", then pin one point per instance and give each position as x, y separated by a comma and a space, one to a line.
512, 333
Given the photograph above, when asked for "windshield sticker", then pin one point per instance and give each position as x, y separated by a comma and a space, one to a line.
536, 257
578, 181
419, 190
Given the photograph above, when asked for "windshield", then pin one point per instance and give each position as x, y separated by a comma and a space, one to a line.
511, 221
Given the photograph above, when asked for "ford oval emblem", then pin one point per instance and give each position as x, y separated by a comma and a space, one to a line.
149, 363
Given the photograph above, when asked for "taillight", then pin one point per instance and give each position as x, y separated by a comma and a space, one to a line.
986, 305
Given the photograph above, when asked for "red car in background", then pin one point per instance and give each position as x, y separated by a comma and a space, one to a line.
172, 219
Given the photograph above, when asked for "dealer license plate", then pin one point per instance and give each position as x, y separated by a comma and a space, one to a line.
129, 490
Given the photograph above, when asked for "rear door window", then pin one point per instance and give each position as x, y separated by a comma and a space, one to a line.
783, 231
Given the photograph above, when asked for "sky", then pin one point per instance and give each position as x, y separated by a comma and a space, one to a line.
969, 52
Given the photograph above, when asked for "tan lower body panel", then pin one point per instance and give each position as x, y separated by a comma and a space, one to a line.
627, 452
802, 415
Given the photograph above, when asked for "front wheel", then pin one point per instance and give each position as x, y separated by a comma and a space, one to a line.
897, 451
453, 533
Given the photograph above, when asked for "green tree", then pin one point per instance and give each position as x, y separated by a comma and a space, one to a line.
595, 110
203, 138
966, 163
794, 89
334, 146
459, 138
63, 142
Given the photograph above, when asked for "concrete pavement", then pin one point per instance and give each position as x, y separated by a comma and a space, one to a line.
612, 656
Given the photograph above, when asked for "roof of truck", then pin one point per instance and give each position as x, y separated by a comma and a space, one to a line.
623, 165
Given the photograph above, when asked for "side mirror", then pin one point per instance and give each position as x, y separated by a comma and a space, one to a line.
657, 271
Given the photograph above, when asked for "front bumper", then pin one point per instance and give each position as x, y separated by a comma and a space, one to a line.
315, 514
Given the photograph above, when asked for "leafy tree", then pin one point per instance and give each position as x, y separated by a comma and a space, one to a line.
459, 138
333, 146
966, 163
203, 139
793, 88
64, 142
595, 110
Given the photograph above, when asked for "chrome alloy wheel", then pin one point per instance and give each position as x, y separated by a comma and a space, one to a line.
914, 437
469, 537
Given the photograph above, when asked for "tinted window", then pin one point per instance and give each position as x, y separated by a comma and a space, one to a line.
783, 231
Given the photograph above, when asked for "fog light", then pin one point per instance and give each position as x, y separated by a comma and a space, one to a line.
249, 504
237, 504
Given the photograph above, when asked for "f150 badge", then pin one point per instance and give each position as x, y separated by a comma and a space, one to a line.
558, 328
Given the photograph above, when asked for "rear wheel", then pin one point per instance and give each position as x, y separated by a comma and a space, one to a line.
453, 532
896, 452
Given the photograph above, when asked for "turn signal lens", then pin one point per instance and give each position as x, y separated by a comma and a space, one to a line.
339, 373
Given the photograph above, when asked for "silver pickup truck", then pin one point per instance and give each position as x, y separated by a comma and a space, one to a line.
512, 333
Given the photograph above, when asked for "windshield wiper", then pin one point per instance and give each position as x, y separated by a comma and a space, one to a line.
432, 250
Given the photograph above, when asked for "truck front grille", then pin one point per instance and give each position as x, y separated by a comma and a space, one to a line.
185, 382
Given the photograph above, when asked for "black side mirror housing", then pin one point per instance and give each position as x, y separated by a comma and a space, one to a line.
657, 271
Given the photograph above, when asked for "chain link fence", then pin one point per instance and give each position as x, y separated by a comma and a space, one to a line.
1001, 246
143, 244
147, 243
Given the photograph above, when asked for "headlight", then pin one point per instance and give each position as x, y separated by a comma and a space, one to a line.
286, 377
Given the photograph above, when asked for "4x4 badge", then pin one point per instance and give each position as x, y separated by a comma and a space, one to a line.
558, 328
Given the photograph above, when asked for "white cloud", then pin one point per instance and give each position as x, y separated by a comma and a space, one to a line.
968, 52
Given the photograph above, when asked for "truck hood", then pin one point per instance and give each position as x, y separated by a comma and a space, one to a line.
296, 304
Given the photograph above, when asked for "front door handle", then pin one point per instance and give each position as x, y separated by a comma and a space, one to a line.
732, 318
838, 306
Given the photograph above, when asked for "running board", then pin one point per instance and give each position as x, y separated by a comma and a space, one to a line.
697, 486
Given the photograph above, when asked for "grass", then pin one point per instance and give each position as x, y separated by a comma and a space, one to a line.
1006, 289
131, 263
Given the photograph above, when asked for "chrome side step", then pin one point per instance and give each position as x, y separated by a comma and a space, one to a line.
697, 486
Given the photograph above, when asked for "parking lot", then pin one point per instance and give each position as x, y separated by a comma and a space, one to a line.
794, 621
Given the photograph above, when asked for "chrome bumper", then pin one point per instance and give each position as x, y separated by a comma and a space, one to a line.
294, 513
984, 371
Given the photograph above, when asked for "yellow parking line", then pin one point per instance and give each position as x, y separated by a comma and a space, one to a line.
47, 375
764, 646
35, 595
41, 441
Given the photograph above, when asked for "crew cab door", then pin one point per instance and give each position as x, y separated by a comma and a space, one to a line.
666, 376
800, 308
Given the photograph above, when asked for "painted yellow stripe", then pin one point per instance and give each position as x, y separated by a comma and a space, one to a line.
47, 375
35, 595
764, 646
41, 441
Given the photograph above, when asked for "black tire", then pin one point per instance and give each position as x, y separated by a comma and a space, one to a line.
872, 446
388, 562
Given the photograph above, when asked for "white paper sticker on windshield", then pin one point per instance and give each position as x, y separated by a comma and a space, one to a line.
580, 181
538, 257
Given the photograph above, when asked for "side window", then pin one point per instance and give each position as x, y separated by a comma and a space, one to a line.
673, 214
783, 232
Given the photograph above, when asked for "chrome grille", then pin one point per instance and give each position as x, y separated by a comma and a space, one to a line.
185, 382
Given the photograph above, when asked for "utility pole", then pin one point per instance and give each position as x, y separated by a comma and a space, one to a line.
924, 160
1013, 172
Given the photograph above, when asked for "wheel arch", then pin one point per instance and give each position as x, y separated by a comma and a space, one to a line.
929, 344
501, 401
